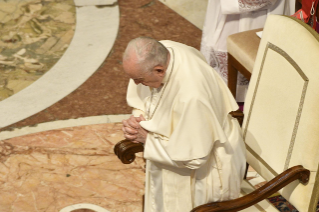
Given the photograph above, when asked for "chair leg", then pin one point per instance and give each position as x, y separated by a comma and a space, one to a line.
232, 78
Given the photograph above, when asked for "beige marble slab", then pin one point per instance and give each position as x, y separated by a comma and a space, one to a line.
95, 2
95, 33
63, 124
51, 170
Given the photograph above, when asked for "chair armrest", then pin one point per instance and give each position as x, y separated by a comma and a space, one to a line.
239, 115
288, 176
125, 150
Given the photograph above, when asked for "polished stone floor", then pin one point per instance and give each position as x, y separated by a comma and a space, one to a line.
50, 170
62, 96
103, 92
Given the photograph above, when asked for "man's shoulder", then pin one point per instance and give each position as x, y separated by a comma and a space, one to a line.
183, 50
170, 43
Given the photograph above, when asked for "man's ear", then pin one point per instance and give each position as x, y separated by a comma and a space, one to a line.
159, 70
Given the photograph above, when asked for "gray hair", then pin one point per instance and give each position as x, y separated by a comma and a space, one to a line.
149, 52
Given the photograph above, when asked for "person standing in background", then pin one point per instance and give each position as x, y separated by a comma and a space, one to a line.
227, 17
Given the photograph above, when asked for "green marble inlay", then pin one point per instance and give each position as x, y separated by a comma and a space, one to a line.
34, 34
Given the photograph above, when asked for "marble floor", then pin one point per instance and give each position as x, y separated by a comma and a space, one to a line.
62, 98
72, 169
95, 32
34, 36
96, 85
51, 170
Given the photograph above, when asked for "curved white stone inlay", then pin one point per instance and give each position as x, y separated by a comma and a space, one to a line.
83, 206
95, 34
54, 125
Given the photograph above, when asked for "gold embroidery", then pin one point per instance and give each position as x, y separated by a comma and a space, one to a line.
306, 80
315, 191
302, 99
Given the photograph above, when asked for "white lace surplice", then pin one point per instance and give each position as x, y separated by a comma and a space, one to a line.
226, 17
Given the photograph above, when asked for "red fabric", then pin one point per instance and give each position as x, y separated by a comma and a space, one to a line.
308, 12
301, 15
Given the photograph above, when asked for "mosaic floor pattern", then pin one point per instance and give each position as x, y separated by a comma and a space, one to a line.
49, 168
104, 92
95, 32
33, 36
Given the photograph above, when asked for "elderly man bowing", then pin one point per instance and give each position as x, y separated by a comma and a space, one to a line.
193, 147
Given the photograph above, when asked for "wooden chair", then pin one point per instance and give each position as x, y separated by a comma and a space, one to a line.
281, 124
242, 50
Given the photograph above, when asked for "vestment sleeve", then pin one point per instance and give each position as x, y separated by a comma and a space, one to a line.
242, 6
155, 151
137, 112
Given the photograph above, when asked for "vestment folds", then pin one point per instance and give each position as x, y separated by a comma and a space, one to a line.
194, 149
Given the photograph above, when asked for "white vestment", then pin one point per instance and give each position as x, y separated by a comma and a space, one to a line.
194, 149
227, 17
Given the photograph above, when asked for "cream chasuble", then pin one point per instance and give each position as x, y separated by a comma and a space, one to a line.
194, 149
227, 17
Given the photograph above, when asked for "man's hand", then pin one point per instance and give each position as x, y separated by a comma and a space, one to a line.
133, 131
